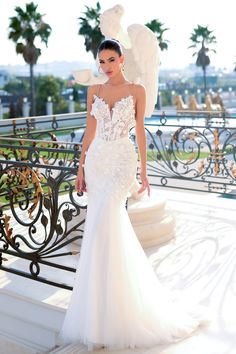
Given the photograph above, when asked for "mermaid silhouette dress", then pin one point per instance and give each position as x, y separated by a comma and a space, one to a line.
117, 300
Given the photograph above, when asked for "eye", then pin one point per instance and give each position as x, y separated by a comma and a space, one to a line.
111, 60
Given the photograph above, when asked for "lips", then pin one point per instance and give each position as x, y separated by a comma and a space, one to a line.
109, 72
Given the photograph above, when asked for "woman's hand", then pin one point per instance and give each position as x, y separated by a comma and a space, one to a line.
145, 183
80, 185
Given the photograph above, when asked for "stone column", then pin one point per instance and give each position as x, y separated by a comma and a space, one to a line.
199, 96
71, 104
186, 97
25, 107
49, 106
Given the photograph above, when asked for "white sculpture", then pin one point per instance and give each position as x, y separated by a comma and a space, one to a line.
141, 51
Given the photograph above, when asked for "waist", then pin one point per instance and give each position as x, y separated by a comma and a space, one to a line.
113, 141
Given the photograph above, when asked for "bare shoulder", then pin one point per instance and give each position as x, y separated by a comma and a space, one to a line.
139, 90
93, 89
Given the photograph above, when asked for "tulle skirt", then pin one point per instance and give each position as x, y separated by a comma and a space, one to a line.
117, 300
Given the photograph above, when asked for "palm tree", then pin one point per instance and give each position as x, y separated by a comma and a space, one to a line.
157, 27
202, 37
89, 28
24, 28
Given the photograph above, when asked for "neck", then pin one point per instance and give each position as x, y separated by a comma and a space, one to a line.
119, 79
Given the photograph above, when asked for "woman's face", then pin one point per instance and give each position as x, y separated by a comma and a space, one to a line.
110, 62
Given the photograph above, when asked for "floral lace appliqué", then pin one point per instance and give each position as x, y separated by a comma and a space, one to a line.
116, 123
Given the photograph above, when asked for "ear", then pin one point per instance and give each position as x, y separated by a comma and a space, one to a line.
122, 59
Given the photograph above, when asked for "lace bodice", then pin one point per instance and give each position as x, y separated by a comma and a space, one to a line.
115, 123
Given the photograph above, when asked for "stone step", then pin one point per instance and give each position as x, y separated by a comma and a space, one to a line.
147, 210
14, 345
27, 322
156, 233
68, 349
31, 313
146, 203
152, 220
81, 349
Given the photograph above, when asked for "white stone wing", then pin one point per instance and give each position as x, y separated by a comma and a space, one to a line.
142, 62
87, 78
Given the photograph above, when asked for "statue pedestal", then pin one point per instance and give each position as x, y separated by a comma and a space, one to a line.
152, 220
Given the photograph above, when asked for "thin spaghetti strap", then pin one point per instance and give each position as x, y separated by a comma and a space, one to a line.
99, 89
131, 89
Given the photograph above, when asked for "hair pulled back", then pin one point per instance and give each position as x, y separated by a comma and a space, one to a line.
111, 44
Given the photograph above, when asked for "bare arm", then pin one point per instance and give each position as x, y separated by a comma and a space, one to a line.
141, 136
90, 131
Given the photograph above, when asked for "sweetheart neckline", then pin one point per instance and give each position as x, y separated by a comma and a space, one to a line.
118, 101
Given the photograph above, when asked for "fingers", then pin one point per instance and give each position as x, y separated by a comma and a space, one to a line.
148, 189
80, 186
141, 189
145, 186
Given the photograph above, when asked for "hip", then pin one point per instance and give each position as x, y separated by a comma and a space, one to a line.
111, 143
110, 166
115, 149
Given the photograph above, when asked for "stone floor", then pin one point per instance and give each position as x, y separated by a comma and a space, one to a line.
200, 265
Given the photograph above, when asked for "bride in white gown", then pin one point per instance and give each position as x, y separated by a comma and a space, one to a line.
117, 300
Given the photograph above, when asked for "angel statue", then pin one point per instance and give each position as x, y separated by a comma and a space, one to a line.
141, 52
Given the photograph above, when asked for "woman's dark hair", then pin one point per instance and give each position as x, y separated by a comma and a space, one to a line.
111, 44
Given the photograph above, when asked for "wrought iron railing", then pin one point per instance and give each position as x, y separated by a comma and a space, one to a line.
38, 205
42, 217
193, 152
44, 127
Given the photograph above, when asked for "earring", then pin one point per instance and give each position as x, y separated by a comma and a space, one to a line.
122, 67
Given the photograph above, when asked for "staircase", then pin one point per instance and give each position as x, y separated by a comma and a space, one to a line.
29, 323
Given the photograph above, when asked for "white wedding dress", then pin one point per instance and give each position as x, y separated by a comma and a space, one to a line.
117, 299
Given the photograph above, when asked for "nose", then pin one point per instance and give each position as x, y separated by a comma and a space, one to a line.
107, 68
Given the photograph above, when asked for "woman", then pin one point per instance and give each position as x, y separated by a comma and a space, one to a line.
117, 300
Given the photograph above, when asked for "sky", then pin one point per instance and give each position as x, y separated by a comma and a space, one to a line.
181, 17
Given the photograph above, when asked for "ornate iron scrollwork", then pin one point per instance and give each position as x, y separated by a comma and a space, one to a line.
36, 224
200, 157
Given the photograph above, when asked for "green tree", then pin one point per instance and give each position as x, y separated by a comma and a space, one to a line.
89, 28
201, 38
24, 28
47, 86
17, 87
157, 27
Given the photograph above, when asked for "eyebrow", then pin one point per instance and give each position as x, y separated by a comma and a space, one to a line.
107, 59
